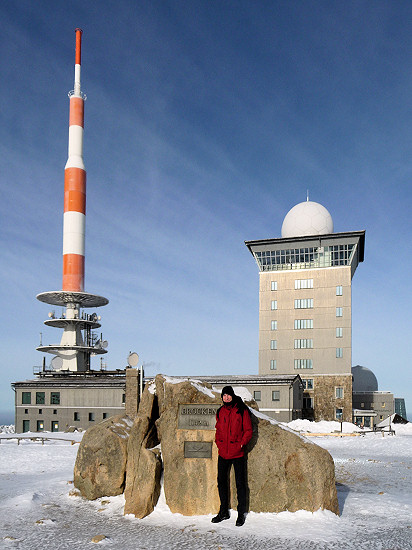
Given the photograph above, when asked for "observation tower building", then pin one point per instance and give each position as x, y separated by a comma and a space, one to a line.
305, 308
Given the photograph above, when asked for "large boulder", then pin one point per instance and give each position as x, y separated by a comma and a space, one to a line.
285, 470
100, 464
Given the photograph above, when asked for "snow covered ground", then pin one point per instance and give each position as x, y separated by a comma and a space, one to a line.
374, 475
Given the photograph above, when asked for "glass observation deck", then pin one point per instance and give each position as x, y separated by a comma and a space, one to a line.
305, 258
309, 252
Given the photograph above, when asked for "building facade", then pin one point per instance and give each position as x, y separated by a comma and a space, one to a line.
380, 403
58, 403
305, 309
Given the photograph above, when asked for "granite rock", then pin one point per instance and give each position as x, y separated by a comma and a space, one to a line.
100, 464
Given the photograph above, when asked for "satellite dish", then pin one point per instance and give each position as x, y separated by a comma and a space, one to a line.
132, 359
104, 344
56, 363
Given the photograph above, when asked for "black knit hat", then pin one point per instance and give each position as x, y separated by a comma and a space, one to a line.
228, 390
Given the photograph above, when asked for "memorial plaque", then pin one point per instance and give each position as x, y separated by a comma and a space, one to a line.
197, 416
198, 449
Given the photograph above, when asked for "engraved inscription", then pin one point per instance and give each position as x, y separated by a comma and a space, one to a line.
198, 449
197, 417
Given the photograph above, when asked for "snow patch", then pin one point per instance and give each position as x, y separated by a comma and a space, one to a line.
152, 387
324, 426
198, 385
402, 429
128, 421
281, 425
7, 429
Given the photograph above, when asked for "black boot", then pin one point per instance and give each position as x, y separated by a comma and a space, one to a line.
220, 517
240, 520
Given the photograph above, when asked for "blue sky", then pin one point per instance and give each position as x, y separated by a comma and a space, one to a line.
205, 123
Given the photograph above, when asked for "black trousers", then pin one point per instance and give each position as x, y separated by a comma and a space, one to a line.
223, 470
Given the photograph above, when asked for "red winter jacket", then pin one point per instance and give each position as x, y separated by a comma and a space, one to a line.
233, 431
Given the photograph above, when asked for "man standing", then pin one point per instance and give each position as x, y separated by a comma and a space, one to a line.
233, 432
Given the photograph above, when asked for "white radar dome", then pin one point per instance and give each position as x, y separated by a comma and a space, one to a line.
307, 218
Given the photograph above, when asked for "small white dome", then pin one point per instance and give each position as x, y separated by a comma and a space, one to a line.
307, 218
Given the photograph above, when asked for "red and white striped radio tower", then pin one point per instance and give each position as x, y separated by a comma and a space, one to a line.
78, 342
74, 220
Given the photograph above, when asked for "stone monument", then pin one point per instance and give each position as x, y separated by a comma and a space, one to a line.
174, 432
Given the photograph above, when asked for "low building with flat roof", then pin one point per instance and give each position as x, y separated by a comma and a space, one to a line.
60, 402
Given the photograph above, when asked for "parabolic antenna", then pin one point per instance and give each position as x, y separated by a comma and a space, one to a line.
56, 363
132, 359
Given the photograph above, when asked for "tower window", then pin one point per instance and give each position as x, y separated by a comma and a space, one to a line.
273, 344
303, 283
339, 393
273, 325
275, 395
303, 323
304, 343
339, 332
273, 364
273, 285
308, 383
303, 364
274, 304
339, 290
304, 303
339, 353
339, 312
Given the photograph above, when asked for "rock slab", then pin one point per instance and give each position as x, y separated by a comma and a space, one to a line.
100, 464
144, 469
189, 483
